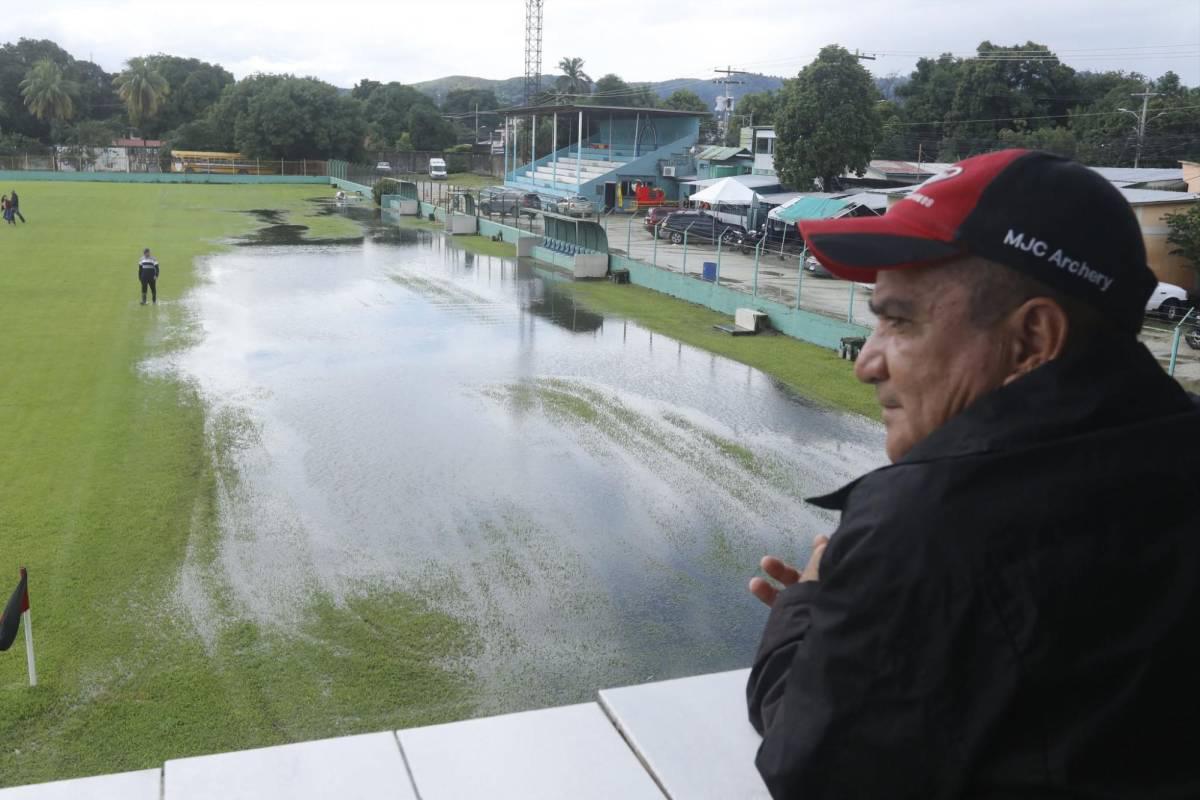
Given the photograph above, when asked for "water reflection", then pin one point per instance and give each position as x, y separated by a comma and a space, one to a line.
405, 414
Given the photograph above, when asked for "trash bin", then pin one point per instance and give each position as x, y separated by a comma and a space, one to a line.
710, 271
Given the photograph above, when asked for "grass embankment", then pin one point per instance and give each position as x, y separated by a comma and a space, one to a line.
812, 371
108, 480
465, 180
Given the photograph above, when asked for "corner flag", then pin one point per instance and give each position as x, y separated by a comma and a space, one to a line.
17, 609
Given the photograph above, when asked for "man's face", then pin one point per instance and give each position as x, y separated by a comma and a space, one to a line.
926, 359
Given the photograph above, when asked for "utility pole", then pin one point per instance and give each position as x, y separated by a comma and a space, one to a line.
863, 56
477, 123
1141, 121
726, 99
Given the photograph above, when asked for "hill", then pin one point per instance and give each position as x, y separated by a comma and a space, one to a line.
510, 90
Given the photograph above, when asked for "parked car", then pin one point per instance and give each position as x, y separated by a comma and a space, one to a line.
532, 203
816, 268
1192, 337
699, 227
576, 206
437, 169
1169, 301
656, 215
383, 166
775, 236
500, 200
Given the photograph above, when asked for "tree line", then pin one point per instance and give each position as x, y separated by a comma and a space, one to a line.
49, 97
832, 117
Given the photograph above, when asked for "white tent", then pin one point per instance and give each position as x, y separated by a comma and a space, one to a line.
726, 192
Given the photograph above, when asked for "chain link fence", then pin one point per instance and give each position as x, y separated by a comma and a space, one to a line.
149, 160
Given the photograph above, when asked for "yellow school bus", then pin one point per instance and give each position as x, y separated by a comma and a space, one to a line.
219, 163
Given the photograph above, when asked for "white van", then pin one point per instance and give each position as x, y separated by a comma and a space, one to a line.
437, 169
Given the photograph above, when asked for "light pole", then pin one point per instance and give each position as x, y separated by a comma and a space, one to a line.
1141, 121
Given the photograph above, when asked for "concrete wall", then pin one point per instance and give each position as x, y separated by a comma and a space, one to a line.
815, 328
1169, 268
155, 177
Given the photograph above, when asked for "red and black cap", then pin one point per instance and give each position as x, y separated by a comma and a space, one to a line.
1045, 216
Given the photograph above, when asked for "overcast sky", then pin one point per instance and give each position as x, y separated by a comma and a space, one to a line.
641, 40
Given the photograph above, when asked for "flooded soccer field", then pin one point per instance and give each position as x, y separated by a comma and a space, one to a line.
588, 498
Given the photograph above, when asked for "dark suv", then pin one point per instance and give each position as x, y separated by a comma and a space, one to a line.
699, 226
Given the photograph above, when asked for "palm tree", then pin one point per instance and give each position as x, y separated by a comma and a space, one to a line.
48, 92
142, 89
573, 81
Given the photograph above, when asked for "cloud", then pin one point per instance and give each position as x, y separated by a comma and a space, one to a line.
640, 40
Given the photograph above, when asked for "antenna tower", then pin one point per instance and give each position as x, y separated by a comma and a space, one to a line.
533, 49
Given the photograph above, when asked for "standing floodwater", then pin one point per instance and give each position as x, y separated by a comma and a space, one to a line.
402, 415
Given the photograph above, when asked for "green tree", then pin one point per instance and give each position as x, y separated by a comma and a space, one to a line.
142, 89
826, 123
16, 59
894, 139
388, 113
92, 133
97, 98
611, 90
1022, 87
1185, 235
282, 116
1059, 140
687, 100
428, 130
755, 108
573, 81
362, 90
196, 86
684, 100
48, 93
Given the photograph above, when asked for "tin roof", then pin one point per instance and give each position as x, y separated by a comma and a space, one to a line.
1145, 197
718, 153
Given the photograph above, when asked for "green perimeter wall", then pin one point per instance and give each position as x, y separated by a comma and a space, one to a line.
154, 177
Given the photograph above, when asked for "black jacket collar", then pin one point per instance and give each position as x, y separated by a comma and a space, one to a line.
1109, 385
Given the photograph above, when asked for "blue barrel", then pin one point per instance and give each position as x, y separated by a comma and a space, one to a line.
710, 271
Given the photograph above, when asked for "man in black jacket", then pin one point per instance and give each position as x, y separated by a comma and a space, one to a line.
1011, 609
148, 275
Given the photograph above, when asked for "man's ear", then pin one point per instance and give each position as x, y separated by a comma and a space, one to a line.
1038, 330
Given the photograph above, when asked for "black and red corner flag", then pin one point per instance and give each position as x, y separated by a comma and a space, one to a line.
10, 620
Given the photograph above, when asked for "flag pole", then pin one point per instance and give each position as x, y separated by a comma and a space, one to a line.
29, 648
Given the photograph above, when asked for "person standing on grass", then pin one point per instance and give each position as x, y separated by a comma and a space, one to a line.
6, 206
16, 206
148, 275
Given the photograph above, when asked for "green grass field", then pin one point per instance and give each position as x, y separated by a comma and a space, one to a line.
107, 481
815, 372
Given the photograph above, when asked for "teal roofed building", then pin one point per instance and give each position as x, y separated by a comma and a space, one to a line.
603, 153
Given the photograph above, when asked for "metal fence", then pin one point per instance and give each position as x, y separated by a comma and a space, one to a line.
146, 160
784, 275
416, 162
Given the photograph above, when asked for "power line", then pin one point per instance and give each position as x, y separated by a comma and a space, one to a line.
1044, 116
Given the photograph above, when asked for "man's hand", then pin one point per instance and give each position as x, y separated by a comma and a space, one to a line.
786, 574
